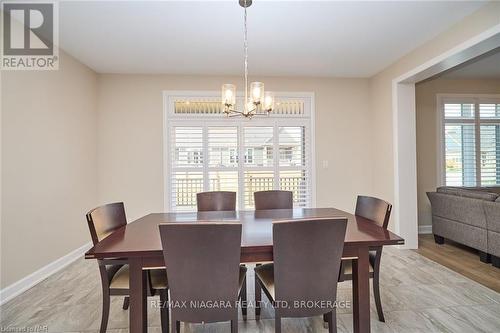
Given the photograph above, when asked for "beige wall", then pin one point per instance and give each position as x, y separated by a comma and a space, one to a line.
130, 136
426, 108
381, 91
49, 176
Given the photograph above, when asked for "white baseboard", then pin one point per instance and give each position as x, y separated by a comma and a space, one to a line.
29, 281
425, 229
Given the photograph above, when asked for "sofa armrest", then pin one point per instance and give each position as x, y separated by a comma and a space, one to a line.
457, 208
492, 211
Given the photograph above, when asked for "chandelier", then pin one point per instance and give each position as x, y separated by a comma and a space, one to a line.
257, 102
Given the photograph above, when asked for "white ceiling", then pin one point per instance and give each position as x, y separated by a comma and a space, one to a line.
293, 38
487, 67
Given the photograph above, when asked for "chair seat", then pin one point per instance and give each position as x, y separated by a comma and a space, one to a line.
122, 277
158, 279
347, 267
265, 273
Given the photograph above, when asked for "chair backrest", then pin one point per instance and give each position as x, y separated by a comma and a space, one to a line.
202, 260
307, 256
105, 219
377, 210
216, 201
273, 200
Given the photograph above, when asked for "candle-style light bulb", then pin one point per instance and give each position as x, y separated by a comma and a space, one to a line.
268, 101
228, 95
256, 92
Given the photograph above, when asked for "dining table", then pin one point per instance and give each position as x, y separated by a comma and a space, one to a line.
138, 244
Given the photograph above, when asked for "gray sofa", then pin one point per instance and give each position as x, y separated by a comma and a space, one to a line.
470, 216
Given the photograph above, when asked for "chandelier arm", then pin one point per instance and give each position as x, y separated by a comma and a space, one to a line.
236, 111
255, 113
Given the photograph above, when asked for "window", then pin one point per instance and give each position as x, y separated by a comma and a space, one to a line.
249, 156
470, 140
233, 156
203, 153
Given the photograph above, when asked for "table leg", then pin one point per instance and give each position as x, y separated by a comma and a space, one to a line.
138, 297
258, 297
361, 292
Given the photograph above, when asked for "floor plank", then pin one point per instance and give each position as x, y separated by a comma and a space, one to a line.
418, 295
460, 259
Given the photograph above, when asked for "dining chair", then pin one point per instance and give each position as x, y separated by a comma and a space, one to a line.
216, 201
266, 200
103, 221
222, 201
274, 199
378, 211
203, 269
306, 255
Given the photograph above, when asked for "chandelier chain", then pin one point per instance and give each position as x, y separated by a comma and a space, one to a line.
245, 46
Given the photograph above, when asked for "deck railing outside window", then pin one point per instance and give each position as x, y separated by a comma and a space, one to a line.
186, 189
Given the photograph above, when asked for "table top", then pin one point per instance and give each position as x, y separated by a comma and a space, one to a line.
141, 238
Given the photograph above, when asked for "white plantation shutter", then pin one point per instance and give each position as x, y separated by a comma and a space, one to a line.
188, 146
459, 111
187, 166
234, 154
292, 146
460, 154
222, 146
471, 135
296, 182
222, 142
490, 155
489, 111
490, 143
258, 146
293, 161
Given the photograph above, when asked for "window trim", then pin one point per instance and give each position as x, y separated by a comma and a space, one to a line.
171, 119
475, 99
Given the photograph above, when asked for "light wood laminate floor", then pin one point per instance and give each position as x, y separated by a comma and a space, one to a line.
418, 295
460, 259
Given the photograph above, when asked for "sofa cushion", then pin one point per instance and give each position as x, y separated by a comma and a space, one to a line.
491, 189
448, 190
468, 193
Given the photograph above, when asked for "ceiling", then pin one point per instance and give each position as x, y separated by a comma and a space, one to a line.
293, 38
486, 67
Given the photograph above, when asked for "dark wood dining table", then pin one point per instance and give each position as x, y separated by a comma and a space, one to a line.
138, 243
